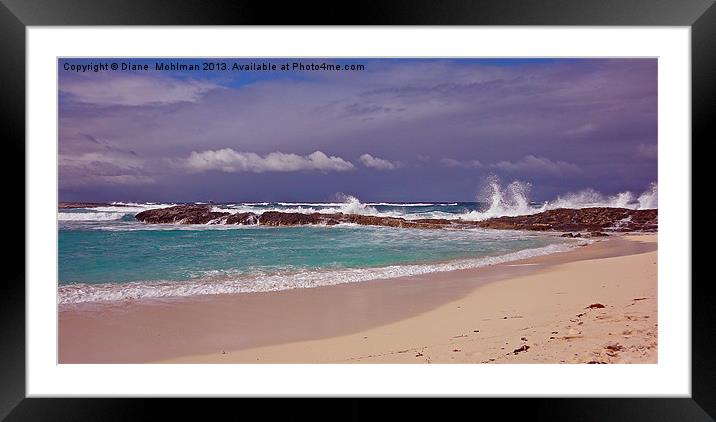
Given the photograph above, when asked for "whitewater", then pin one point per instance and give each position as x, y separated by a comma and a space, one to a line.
493, 201
105, 255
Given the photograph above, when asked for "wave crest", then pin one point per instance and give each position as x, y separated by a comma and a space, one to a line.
112, 292
512, 200
650, 198
589, 198
90, 216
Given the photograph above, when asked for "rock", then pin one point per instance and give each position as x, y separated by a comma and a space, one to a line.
242, 218
203, 214
595, 306
522, 348
577, 220
181, 214
594, 220
275, 218
598, 234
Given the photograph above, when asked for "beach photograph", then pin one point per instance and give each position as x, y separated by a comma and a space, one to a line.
357, 210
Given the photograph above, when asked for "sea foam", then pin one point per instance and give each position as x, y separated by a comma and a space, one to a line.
232, 284
494, 199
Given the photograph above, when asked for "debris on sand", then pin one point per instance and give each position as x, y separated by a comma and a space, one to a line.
613, 346
522, 348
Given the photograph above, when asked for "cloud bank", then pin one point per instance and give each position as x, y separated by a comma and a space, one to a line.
229, 161
538, 120
135, 90
532, 164
376, 163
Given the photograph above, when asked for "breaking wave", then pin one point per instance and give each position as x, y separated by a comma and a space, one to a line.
494, 200
90, 216
650, 198
590, 198
115, 211
228, 284
511, 200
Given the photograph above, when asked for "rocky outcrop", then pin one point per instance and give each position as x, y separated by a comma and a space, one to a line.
242, 218
580, 220
594, 221
203, 214
181, 214
275, 218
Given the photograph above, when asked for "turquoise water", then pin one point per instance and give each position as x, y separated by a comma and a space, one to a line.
104, 254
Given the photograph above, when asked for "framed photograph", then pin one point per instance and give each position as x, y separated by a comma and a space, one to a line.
449, 200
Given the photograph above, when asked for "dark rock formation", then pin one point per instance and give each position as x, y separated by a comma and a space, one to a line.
181, 214
202, 214
585, 219
594, 221
242, 218
275, 218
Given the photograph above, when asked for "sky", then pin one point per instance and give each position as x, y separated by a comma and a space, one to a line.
397, 130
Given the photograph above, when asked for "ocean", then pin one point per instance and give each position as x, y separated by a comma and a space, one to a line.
106, 255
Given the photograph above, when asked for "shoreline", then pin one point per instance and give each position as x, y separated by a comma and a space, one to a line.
280, 326
436, 266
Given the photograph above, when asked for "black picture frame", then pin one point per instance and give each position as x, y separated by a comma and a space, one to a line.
16, 15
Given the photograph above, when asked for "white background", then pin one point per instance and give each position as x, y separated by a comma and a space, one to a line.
670, 377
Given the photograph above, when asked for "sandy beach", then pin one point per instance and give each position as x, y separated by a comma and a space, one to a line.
593, 304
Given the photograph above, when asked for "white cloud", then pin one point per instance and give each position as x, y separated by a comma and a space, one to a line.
451, 162
647, 150
532, 164
135, 90
376, 163
230, 161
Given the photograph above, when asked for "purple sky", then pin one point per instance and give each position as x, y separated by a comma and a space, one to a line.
400, 130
